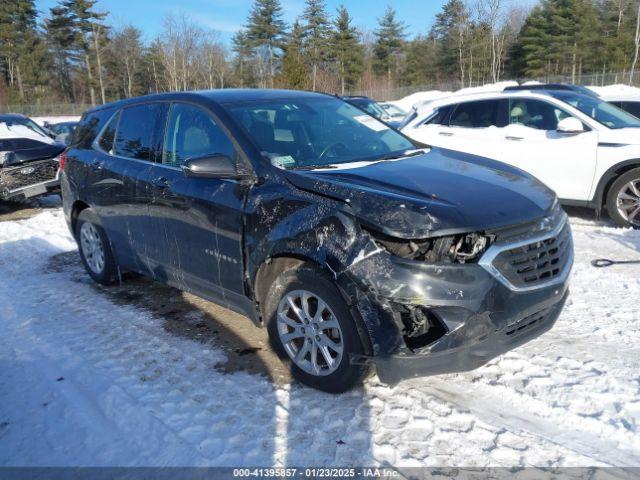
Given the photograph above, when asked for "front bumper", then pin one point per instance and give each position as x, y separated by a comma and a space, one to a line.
481, 315
29, 180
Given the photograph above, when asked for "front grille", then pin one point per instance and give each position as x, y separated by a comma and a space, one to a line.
537, 262
31, 173
526, 323
531, 255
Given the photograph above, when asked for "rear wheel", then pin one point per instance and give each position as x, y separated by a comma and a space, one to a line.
310, 323
623, 199
95, 249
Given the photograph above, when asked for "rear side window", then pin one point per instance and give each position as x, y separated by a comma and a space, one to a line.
89, 127
479, 114
192, 133
140, 131
439, 117
109, 134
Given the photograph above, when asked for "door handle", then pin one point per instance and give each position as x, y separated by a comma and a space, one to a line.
160, 182
446, 134
514, 138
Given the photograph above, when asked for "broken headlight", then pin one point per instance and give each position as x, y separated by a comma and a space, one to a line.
4, 157
462, 248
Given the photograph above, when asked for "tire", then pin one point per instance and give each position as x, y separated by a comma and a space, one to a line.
622, 186
100, 265
342, 375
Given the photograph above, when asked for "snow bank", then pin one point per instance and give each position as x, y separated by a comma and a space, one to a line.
617, 92
56, 119
418, 98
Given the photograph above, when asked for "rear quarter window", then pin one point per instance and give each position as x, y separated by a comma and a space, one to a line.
90, 125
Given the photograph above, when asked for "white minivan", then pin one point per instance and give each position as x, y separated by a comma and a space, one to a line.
585, 149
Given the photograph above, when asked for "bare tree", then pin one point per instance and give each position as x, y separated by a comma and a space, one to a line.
636, 41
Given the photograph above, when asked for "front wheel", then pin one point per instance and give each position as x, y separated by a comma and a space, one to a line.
310, 323
95, 249
623, 199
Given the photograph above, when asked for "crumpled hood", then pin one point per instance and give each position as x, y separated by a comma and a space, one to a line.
438, 193
27, 149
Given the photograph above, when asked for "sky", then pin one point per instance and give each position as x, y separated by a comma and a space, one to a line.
227, 16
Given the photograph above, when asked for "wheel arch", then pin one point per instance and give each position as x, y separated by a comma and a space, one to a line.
610, 176
77, 207
277, 264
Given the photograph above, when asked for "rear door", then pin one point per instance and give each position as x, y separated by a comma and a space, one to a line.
129, 145
198, 221
564, 162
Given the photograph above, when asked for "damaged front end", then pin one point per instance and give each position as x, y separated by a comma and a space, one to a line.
458, 301
28, 168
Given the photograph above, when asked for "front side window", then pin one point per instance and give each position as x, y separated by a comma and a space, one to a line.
192, 133
535, 114
140, 131
439, 117
480, 114
309, 132
599, 110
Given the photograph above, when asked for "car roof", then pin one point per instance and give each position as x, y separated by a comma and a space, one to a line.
497, 95
220, 96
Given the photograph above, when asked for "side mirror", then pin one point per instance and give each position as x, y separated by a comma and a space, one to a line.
570, 125
213, 166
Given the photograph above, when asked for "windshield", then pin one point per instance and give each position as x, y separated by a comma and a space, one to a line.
599, 110
315, 132
25, 122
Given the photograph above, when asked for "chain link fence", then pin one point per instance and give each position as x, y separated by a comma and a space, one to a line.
377, 93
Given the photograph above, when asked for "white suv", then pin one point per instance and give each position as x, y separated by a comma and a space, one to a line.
585, 149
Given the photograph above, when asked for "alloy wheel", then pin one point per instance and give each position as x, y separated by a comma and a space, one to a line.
92, 248
628, 202
310, 332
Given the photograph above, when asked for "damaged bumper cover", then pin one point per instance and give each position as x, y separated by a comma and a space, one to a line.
470, 313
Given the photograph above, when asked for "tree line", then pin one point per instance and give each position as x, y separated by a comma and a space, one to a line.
72, 55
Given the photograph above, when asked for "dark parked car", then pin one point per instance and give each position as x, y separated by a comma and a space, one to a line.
62, 131
372, 108
28, 159
350, 243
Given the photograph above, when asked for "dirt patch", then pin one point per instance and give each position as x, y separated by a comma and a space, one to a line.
27, 208
246, 346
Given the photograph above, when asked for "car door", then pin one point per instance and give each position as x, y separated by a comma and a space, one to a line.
428, 130
199, 221
129, 145
564, 162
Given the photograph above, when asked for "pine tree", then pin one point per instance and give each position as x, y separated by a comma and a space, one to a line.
294, 71
421, 65
450, 31
346, 50
244, 58
18, 38
317, 31
266, 30
389, 43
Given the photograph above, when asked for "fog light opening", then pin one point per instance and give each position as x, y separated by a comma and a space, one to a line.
421, 327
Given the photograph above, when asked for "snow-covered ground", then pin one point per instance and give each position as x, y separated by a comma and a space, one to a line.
86, 381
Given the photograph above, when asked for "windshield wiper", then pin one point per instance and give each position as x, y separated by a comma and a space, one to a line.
393, 156
311, 167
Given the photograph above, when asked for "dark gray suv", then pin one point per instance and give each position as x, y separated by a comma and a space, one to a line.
353, 245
